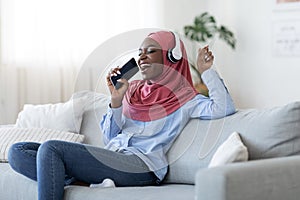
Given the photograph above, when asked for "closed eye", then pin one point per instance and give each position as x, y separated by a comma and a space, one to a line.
147, 50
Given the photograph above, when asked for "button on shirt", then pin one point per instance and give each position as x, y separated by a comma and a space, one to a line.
151, 140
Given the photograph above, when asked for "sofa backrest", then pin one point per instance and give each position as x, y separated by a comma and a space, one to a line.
95, 107
267, 133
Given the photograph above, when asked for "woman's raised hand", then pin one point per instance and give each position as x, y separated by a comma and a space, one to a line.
205, 59
117, 95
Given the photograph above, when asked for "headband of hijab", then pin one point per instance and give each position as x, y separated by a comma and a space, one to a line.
146, 101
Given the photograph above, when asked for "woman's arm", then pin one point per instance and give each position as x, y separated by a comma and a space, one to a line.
111, 123
219, 103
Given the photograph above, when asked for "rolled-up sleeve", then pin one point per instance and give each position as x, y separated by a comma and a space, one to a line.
219, 103
111, 123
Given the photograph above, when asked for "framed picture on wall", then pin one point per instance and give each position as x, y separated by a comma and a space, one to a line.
285, 38
286, 4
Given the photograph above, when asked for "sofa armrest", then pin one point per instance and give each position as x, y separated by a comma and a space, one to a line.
274, 179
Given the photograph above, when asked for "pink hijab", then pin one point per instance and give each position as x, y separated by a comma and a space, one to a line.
172, 89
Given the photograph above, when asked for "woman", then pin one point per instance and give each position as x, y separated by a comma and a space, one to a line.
143, 120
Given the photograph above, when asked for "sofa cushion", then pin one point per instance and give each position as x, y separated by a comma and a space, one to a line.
232, 150
267, 133
11, 135
14, 186
60, 116
95, 106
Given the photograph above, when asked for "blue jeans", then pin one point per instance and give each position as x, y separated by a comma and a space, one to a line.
51, 162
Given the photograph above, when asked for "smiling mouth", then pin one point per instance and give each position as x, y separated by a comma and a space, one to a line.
144, 67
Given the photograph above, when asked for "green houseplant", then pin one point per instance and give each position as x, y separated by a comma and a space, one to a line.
203, 29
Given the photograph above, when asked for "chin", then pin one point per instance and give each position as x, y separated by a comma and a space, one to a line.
145, 77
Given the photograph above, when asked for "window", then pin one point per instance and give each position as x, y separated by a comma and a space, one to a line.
61, 33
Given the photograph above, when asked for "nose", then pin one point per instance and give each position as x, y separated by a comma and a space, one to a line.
143, 56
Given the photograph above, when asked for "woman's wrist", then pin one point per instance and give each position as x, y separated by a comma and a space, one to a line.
115, 103
201, 70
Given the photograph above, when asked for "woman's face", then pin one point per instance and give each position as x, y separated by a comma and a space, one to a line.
150, 60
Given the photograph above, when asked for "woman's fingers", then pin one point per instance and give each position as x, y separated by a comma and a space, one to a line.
205, 59
205, 54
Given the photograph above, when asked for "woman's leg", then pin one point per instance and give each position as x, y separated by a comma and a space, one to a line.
22, 158
86, 163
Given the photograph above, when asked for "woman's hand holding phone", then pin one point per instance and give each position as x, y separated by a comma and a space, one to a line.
117, 81
117, 95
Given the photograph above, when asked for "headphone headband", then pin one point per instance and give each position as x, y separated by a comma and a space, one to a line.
175, 54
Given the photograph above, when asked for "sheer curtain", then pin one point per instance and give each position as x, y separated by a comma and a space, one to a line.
44, 43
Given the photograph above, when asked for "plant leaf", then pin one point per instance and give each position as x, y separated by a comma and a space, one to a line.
204, 27
227, 36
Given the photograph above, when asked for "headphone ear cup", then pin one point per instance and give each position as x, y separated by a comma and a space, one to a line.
171, 57
175, 54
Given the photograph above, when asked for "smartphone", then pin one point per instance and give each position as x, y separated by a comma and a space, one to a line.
127, 71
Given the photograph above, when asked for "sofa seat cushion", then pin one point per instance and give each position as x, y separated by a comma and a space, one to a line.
267, 133
165, 192
16, 186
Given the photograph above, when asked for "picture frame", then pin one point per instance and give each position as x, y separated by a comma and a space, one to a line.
282, 5
285, 38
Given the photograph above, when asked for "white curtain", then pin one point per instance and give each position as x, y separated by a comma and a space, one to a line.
44, 43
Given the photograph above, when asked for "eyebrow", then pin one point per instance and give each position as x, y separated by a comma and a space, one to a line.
151, 45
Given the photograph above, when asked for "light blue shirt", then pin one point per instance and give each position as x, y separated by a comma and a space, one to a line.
151, 140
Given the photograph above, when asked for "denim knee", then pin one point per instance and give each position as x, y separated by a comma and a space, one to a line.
21, 151
48, 147
13, 157
22, 158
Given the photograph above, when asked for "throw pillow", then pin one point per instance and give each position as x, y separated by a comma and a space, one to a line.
11, 135
232, 150
61, 116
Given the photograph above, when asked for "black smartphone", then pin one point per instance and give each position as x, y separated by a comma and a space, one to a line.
127, 71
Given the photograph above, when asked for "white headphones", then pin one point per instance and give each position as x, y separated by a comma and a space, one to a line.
175, 54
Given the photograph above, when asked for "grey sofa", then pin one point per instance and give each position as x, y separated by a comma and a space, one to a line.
272, 137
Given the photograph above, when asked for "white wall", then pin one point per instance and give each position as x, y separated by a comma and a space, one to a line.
19, 86
254, 76
40, 65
